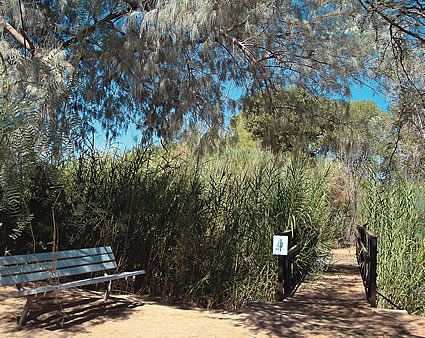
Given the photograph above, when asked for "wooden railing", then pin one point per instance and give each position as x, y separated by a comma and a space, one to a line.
286, 274
366, 251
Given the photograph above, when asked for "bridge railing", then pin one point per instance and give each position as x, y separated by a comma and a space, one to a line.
366, 252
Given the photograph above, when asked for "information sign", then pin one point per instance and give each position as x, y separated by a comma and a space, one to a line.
280, 245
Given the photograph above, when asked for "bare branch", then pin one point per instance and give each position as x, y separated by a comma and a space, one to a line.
22, 39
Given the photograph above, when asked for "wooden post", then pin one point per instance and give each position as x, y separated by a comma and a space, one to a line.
280, 277
367, 260
287, 276
283, 269
373, 250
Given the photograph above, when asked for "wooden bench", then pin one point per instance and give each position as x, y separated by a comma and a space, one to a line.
20, 269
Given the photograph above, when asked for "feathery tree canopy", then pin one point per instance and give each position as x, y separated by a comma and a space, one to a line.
164, 64
67, 65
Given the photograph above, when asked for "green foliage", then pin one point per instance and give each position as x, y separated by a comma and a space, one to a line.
297, 120
293, 120
164, 64
395, 214
201, 226
409, 135
241, 136
32, 139
361, 134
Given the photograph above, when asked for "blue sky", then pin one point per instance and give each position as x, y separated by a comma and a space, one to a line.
127, 141
364, 93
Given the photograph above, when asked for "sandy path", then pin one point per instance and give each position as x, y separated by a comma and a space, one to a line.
333, 306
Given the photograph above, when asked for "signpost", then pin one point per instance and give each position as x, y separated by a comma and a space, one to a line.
280, 249
286, 254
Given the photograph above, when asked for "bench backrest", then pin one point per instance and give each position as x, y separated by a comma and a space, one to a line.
28, 268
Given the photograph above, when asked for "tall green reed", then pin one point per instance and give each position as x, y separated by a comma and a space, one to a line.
200, 226
395, 213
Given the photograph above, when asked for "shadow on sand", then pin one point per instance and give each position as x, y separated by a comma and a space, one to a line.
72, 309
335, 305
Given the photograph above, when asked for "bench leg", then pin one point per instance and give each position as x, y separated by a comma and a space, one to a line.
25, 312
108, 291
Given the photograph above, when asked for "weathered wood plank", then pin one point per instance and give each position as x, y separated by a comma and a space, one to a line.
54, 288
295, 250
363, 230
37, 276
31, 258
51, 265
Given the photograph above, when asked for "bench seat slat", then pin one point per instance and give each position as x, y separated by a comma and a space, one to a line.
31, 258
19, 279
37, 276
50, 265
89, 281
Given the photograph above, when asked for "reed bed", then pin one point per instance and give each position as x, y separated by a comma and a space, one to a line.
200, 226
395, 213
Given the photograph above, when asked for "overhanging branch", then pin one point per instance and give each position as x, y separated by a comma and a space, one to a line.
133, 5
390, 20
22, 39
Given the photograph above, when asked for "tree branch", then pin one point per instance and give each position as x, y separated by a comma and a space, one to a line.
134, 5
22, 39
93, 27
390, 20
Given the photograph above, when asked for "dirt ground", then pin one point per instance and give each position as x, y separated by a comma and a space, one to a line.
334, 305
